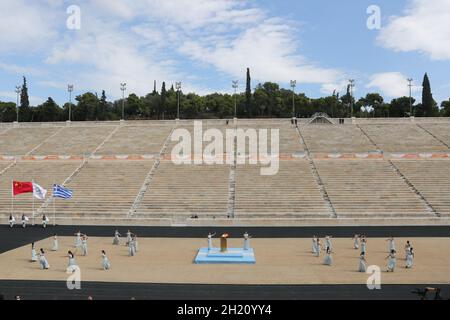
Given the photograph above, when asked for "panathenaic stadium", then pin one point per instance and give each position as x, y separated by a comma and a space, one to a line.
360, 172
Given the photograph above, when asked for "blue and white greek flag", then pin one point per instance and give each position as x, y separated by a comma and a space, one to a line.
61, 192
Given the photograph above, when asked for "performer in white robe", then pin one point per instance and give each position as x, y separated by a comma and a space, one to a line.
78, 239
84, 246
328, 243
407, 248
105, 261
314, 245
24, 221
392, 261
135, 243
362, 264
55, 243
12, 220
129, 238
116, 240
34, 257
318, 248
363, 246
410, 258
45, 221
328, 261
72, 263
43, 261
356, 242
210, 244
246, 241
391, 244
131, 248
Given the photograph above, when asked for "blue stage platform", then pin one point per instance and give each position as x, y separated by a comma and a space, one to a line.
231, 256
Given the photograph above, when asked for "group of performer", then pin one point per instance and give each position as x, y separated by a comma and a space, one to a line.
25, 220
360, 243
131, 242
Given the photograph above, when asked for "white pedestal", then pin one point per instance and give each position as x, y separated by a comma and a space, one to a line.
353, 120
235, 120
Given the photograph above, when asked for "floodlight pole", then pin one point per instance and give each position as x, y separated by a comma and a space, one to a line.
18, 91
70, 90
410, 80
123, 87
352, 85
235, 85
178, 87
293, 85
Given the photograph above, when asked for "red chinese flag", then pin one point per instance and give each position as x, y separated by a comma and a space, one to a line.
22, 187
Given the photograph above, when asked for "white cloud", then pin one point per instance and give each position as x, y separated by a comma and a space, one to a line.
424, 27
266, 48
26, 25
144, 40
391, 84
19, 70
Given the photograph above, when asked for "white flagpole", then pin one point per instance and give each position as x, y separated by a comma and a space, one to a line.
54, 206
12, 198
32, 195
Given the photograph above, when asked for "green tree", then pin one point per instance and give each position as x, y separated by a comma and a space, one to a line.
400, 107
429, 106
25, 114
7, 111
133, 108
162, 105
85, 109
248, 95
445, 105
49, 111
375, 103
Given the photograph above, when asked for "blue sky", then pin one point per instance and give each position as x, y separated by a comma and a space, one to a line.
206, 44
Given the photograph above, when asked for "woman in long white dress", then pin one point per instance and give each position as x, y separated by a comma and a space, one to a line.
362, 264
318, 247
363, 246
12, 220
246, 241
72, 263
55, 243
410, 258
314, 245
129, 238
391, 244
407, 248
328, 261
24, 221
45, 221
34, 257
116, 240
105, 261
43, 260
356, 242
328, 243
78, 239
392, 261
135, 242
131, 248
210, 244
84, 246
